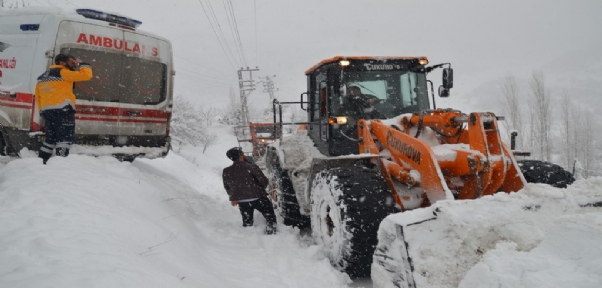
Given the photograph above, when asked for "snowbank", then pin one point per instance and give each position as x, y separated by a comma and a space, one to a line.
92, 222
539, 237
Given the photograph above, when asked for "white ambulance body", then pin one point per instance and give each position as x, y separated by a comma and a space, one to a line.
125, 110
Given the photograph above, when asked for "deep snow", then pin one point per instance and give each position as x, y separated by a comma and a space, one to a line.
83, 221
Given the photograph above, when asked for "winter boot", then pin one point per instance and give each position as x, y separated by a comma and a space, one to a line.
270, 230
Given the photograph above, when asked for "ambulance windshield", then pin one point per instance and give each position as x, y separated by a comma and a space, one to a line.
121, 78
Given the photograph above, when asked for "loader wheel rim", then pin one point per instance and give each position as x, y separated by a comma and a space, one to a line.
328, 222
329, 226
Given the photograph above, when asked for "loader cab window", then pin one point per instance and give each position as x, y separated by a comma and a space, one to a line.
388, 93
319, 97
119, 78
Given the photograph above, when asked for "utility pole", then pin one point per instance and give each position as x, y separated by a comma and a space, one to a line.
268, 87
246, 86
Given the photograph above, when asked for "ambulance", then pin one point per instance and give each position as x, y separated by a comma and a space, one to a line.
124, 111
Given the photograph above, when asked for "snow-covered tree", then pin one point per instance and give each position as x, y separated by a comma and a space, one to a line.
511, 109
541, 116
567, 127
208, 114
584, 141
232, 114
188, 125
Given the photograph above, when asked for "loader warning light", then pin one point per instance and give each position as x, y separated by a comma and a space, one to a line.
99, 15
423, 61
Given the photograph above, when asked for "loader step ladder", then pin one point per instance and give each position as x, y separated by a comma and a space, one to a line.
277, 112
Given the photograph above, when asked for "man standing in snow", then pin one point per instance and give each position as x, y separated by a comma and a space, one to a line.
56, 102
245, 184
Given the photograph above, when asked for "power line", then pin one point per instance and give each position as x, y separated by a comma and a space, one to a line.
237, 32
72, 3
209, 82
199, 77
231, 21
200, 74
200, 65
214, 32
255, 10
219, 28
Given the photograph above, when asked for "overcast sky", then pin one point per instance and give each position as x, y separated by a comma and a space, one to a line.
484, 40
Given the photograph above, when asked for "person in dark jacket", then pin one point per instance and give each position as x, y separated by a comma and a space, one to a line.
245, 184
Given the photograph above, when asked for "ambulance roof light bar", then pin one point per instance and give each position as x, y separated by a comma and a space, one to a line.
99, 15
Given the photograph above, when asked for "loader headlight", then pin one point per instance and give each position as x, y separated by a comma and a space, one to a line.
423, 61
344, 63
341, 120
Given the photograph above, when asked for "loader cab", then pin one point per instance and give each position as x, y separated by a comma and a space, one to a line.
343, 90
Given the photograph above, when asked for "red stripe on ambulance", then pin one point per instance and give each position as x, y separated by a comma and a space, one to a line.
22, 101
98, 119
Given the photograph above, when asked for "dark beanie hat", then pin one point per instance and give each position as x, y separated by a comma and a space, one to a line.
234, 153
62, 58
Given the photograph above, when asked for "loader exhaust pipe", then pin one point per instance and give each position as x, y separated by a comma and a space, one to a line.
513, 140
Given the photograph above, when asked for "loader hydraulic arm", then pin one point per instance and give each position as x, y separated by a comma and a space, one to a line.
461, 162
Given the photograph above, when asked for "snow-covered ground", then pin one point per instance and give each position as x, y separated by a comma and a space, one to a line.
83, 221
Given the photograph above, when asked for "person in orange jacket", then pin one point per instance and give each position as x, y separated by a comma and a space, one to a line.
56, 102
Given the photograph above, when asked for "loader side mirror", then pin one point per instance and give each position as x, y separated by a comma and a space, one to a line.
448, 78
304, 93
443, 92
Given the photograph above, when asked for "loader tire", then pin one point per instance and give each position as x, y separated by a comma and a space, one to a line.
2, 145
536, 171
288, 206
348, 204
